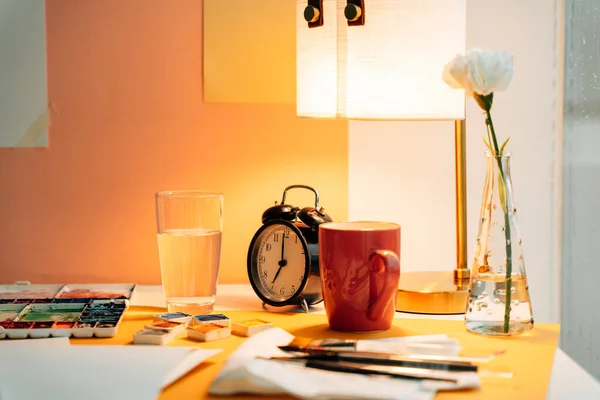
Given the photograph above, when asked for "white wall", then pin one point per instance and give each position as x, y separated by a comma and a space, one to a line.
404, 171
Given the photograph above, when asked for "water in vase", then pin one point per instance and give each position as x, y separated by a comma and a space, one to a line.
486, 306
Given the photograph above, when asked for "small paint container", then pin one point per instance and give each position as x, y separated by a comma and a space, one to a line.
83, 301
61, 301
19, 330
8, 317
83, 329
8, 314
62, 329
41, 329
167, 326
217, 319
153, 336
250, 327
51, 312
106, 328
36, 301
102, 314
108, 304
177, 317
96, 291
208, 332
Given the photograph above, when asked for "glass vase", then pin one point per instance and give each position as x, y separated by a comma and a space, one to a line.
498, 302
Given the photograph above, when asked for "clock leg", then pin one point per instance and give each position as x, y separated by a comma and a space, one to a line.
303, 304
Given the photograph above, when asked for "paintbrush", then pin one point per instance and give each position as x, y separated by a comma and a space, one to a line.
333, 344
362, 369
423, 351
381, 359
419, 350
468, 359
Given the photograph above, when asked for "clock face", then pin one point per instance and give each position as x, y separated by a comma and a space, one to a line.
278, 262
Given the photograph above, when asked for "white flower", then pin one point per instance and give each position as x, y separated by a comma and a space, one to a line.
481, 71
455, 72
489, 71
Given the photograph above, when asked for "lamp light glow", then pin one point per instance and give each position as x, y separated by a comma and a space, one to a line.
390, 68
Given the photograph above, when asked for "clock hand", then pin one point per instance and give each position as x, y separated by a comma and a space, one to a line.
283, 262
282, 246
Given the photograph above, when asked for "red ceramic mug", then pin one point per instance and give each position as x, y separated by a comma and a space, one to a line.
360, 271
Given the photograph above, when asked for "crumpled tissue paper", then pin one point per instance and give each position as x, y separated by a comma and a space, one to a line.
243, 372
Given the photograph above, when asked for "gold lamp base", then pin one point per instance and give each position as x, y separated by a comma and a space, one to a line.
432, 292
441, 292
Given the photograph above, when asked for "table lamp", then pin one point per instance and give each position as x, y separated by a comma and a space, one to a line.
383, 60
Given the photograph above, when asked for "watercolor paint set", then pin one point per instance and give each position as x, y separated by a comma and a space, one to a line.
41, 311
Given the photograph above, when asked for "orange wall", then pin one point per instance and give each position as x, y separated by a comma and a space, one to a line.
126, 80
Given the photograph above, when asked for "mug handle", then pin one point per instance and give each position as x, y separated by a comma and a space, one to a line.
390, 267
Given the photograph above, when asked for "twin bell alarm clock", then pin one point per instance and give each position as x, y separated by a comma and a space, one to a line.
283, 258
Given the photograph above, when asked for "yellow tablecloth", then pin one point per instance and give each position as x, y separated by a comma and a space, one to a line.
529, 356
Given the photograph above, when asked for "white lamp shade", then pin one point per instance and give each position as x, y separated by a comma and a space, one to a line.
389, 68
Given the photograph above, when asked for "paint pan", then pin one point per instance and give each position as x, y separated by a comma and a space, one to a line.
65, 301
41, 329
105, 320
167, 326
99, 327
18, 330
250, 327
51, 312
106, 328
9, 313
64, 325
178, 317
153, 336
217, 319
91, 291
42, 301
80, 300
208, 332
87, 314
103, 310
27, 291
112, 304
83, 329
62, 328
99, 318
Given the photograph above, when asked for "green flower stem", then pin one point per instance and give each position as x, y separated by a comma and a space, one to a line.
508, 243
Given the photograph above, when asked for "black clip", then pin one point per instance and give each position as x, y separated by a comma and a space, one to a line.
313, 13
355, 12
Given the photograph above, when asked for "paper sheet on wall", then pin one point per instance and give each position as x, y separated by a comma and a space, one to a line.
24, 113
249, 51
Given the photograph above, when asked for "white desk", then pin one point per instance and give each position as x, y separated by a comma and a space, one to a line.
568, 379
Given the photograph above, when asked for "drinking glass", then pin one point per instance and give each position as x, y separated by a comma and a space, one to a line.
190, 224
